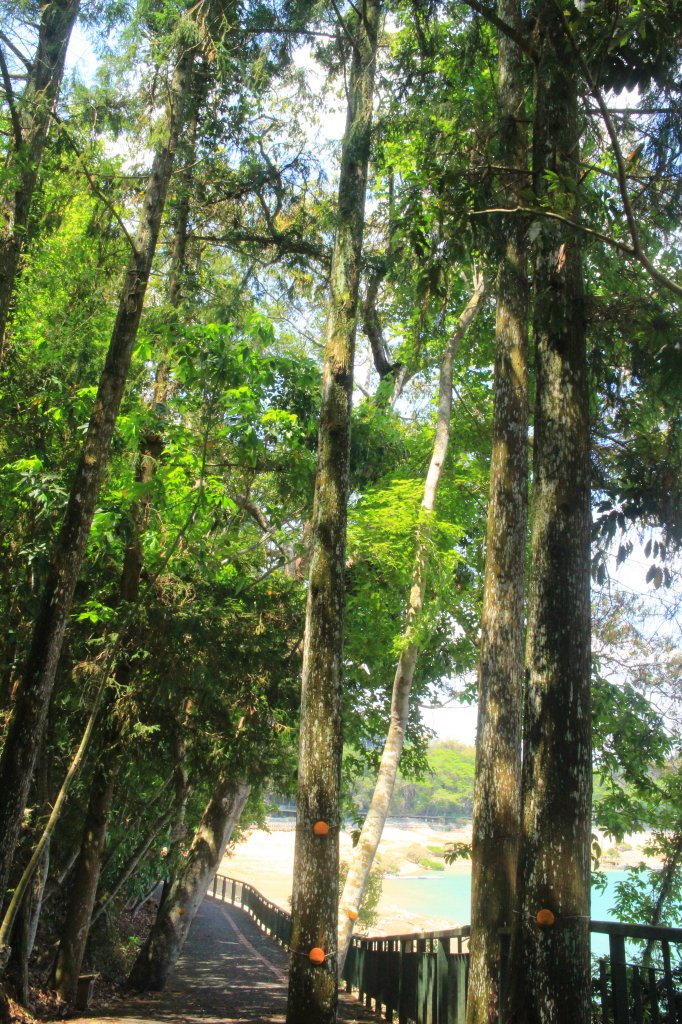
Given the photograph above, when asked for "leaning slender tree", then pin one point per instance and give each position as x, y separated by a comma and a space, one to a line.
83, 893
164, 943
313, 986
375, 819
550, 970
34, 688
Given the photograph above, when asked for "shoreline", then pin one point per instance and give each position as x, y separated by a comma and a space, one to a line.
264, 859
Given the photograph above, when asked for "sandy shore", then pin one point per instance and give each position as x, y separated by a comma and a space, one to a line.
265, 861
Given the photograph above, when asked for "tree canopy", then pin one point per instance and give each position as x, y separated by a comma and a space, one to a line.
223, 322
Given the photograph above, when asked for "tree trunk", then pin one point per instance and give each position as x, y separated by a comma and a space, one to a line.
373, 826
34, 689
550, 971
22, 886
312, 987
76, 927
26, 926
497, 790
34, 110
164, 943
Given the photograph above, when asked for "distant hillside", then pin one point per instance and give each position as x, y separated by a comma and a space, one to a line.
447, 792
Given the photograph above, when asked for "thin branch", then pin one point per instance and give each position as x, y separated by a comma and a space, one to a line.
640, 111
508, 30
74, 768
344, 27
627, 250
638, 249
279, 30
280, 240
9, 92
94, 186
17, 53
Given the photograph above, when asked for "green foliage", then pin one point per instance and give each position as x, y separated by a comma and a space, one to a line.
445, 791
368, 915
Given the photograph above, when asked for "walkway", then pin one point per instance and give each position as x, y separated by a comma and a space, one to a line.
229, 973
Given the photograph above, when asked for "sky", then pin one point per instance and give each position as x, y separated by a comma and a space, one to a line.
454, 722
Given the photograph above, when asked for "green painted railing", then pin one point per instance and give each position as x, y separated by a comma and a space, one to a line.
422, 978
270, 918
627, 991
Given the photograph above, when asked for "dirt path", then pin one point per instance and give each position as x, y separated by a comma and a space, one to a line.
229, 973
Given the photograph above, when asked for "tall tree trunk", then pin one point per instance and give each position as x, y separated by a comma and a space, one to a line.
312, 987
79, 915
33, 111
76, 927
550, 972
373, 826
35, 686
164, 943
497, 790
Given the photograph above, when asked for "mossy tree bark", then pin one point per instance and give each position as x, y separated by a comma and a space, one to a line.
33, 690
176, 913
497, 790
373, 825
550, 971
313, 988
30, 125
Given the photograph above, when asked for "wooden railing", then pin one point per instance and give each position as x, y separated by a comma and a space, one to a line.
422, 978
628, 991
270, 918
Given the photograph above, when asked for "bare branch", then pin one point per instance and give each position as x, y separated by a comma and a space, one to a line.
627, 250
9, 92
637, 248
17, 53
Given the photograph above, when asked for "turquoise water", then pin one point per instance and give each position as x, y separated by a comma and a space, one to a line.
441, 894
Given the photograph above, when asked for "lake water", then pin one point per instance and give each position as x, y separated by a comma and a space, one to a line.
446, 895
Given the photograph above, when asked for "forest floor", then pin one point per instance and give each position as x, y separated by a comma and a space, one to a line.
229, 973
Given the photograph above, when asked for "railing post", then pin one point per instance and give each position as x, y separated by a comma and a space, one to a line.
604, 990
619, 979
669, 987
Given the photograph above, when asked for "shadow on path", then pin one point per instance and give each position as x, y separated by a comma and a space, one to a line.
229, 972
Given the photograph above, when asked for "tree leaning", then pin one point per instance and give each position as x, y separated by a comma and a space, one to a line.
34, 689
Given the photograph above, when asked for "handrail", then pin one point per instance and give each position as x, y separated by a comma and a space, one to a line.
637, 931
423, 976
